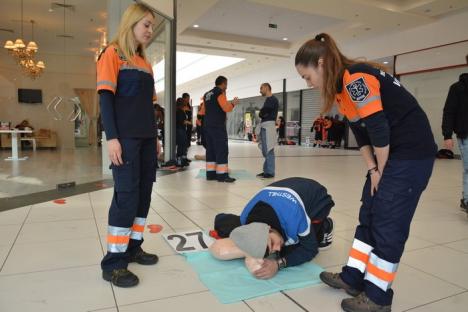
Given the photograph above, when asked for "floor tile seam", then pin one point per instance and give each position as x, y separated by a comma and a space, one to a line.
58, 240
61, 220
164, 298
432, 302
435, 276
102, 249
102, 309
181, 214
248, 306
10, 224
191, 198
172, 228
14, 241
294, 301
455, 241
55, 240
3, 275
454, 249
96, 224
434, 244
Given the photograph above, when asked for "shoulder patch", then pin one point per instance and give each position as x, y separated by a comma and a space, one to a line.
358, 90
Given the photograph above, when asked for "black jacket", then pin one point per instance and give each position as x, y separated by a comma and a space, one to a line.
455, 118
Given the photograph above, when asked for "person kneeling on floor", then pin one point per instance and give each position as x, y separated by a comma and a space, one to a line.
283, 225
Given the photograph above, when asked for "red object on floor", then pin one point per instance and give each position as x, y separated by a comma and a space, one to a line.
154, 228
214, 234
60, 201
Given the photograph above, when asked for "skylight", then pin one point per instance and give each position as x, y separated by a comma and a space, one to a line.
191, 66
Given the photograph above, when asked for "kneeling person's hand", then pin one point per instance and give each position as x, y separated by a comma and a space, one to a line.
268, 270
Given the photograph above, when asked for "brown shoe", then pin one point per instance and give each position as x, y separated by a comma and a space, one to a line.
334, 280
362, 303
120, 278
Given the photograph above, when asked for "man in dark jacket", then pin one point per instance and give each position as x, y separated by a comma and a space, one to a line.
455, 119
296, 211
268, 114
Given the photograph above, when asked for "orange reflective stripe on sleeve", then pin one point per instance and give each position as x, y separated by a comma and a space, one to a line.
225, 105
117, 239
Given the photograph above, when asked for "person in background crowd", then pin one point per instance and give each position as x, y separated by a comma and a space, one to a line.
455, 119
217, 150
189, 112
267, 135
281, 124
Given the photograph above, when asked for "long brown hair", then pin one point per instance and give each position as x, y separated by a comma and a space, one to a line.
334, 64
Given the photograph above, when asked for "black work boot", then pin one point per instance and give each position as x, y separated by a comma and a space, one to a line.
143, 258
334, 280
121, 278
464, 205
362, 303
227, 179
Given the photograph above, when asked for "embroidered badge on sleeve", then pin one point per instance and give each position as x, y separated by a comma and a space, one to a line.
358, 90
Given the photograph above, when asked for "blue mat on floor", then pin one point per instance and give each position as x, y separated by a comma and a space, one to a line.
230, 281
240, 174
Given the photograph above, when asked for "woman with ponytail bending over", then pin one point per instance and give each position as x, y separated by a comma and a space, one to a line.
398, 149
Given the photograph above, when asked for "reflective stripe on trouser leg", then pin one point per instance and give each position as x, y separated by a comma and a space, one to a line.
138, 228
380, 272
117, 239
210, 166
359, 255
221, 168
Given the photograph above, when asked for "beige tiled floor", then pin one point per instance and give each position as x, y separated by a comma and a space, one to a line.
50, 253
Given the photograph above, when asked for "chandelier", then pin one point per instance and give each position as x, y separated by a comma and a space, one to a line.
24, 54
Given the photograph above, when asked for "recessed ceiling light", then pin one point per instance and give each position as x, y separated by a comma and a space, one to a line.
196, 26
385, 62
51, 10
285, 38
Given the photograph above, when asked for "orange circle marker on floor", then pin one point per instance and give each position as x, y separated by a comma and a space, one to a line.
60, 201
154, 228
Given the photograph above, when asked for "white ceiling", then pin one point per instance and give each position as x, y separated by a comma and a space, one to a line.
240, 27
83, 24
233, 27
246, 18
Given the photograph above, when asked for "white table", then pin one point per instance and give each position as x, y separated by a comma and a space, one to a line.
14, 143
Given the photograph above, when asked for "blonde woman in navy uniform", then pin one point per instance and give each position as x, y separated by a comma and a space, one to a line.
398, 147
126, 91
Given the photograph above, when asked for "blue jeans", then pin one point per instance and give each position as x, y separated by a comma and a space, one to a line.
269, 164
463, 144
